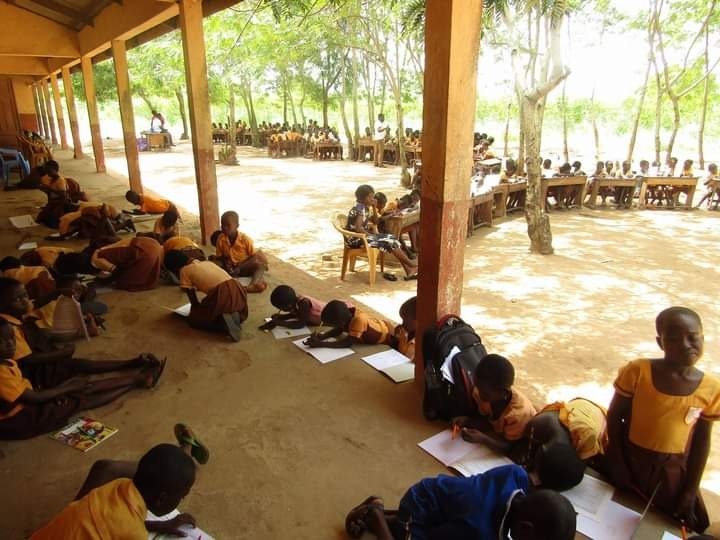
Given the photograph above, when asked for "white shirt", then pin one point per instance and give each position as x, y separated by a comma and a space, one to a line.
155, 124
380, 130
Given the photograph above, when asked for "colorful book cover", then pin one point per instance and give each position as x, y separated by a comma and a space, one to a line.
84, 433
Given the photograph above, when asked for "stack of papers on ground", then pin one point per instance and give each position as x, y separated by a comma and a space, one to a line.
324, 355
615, 523
590, 497
464, 457
23, 222
27, 245
280, 332
193, 533
393, 364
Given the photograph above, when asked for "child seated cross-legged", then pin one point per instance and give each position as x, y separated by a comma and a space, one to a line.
116, 507
236, 253
502, 409
359, 327
224, 306
493, 505
660, 420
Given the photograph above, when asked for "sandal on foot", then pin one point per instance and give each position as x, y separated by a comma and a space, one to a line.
389, 277
198, 450
411, 277
355, 521
157, 372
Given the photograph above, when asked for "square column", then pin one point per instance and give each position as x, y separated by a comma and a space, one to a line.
191, 25
59, 111
126, 114
72, 113
452, 43
33, 89
93, 115
48, 106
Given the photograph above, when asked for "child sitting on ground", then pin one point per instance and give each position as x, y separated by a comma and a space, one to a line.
31, 408
501, 409
296, 311
660, 420
360, 327
167, 226
147, 204
118, 508
403, 338
236, 253
495, 504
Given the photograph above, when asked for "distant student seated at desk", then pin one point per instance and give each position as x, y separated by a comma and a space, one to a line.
134, 264
497, 504
403, 337
712, 183
147, 204
236, 253
296, 311
117, 507
224, 306
359, 327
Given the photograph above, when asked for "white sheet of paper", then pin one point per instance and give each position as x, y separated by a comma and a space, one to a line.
443, 448
479, 460
590, 497
281, 333
401, 372
446, 368
183, 311
386, 359
616, 523
23, 222
190, 532
323, 355
244, 281
669, 536
139, 218
27, 245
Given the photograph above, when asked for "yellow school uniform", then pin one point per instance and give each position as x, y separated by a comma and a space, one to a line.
179, 243
405, 344
114, 510
25, 274
238, 252
12, 386
369, 329
161, 230
202, 275
587, 424
662, 422
22, 349
102, 264
512, 421
49, 255
153, 205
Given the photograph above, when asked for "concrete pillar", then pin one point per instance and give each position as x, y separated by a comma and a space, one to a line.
191, 25
33, 88
43, 112
50, 115
452, 38
59, 111
126, 114
72, 113
93, 115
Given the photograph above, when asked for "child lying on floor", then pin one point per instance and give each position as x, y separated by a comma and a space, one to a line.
358, 326
147, 204
296, 311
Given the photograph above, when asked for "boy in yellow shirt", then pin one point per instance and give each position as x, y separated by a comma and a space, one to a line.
236, 253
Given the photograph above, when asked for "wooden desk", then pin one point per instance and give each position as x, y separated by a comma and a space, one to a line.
610, 183
516, 195
481, 211
500, 196
573, 187
364, 147
671, 187
328, 149
219, 135
396, 224
413, 153
159, 141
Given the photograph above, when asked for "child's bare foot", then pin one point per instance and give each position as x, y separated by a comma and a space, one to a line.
256, 287
355, 524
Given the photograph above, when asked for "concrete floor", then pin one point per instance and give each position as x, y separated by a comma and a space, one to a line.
294, 443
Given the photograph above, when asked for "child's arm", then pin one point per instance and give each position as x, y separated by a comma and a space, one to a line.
36, 397
476, 436
319, 340
699, 451
618, 419
192, 296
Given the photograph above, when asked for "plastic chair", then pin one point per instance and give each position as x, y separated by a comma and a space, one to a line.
350, 255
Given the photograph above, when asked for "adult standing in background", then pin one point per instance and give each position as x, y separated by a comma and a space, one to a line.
381, 130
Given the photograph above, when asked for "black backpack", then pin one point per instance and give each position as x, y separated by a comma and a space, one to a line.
444, 399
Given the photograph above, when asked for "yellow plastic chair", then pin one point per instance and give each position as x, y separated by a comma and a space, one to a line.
350, 255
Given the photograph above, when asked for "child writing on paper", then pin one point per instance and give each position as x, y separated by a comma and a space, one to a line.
147, 204
358, 327
660, 420
492, 505
296, 311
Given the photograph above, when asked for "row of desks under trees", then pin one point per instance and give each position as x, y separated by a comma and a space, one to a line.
391, 155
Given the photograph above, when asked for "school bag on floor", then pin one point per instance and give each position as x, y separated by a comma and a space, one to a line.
444, 398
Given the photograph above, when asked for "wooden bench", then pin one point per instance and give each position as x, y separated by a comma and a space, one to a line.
573, 188
670, 188
158, 141
481, 211
327, 149
516, 195
364, 147
611, 183
219, 135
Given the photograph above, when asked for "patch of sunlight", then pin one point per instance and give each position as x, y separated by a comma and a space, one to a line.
711, 481
386, 303
599, 393
529, 284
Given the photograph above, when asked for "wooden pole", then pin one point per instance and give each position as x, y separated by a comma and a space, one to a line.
39, 128
72, 113
127, 115
48, 105
452, 39
191, 24
43, 112
59, 111
93, 115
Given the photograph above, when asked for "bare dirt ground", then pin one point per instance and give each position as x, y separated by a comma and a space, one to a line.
294, 443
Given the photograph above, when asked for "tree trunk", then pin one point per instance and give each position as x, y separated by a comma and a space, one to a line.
302, 101
593, 121
231, 140
383, 92
348, 132
252, 119
566, 150
506, 150
703, 111
676, 127
292, 103
658, 114
638, 113
355, 105
146, 99
521, 138
537, 220
325, 100
183, 116
285, 100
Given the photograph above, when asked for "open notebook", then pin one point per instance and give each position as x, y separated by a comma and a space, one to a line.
191, 533
463, 457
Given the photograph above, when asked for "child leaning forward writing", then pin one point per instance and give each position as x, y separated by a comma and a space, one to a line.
359, 327
660, 420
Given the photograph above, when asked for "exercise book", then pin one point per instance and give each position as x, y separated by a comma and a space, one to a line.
461, 456
395, 365
192, 533
324, 355
23, 222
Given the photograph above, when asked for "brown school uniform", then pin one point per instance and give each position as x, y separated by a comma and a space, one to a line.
36, 279
224, 295
368, 329
512, 421
138, 259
